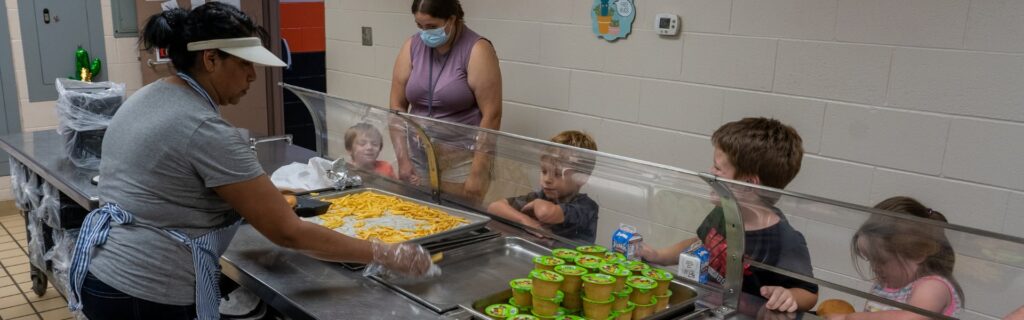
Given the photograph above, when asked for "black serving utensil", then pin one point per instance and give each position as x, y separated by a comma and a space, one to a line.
308, 207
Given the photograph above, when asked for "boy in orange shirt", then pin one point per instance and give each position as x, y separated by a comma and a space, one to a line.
363, 143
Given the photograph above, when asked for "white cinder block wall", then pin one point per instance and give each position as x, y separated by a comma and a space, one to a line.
913, 97
122, 65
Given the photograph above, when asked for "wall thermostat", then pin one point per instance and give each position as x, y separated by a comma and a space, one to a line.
666, 24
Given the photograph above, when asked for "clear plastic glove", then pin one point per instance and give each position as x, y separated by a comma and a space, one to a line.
405, 259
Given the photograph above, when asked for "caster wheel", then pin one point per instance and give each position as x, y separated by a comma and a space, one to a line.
39, 282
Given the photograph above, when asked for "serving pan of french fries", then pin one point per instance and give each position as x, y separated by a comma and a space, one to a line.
369, 213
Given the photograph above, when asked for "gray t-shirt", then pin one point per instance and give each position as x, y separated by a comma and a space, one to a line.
165, 149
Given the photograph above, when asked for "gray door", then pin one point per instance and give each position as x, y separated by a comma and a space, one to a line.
51, 31
64, 27
10, 122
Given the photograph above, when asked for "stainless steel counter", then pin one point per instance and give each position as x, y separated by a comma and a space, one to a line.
43, 153
295, 284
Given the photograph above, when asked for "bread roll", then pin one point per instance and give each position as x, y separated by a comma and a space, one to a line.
292, 201
834, 307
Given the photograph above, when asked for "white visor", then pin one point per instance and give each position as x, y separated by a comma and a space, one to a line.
250, 49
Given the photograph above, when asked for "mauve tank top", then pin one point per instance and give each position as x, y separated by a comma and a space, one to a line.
453, 99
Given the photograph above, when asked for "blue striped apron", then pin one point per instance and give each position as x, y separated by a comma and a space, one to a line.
206, 249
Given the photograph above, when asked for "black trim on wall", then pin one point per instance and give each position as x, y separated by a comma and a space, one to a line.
308, 70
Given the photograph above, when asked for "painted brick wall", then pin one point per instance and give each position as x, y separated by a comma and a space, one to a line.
122, 66
914, 97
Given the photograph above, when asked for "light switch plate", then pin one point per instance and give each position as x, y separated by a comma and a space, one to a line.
367, 36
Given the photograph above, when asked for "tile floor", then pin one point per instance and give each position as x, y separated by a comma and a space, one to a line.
17, 301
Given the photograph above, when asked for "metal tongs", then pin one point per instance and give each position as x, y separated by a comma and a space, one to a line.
340, 177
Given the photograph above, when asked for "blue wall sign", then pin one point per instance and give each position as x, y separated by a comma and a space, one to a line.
612, 19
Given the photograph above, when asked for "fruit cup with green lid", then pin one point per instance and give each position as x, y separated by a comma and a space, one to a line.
627, 312
572, 274
662, 301
522, 309
545, 283
644, 310
619, 272
570, 317
622, 298
565, 254
501, 311
664, 279
547, 262
521, 291
597, 309
522, 317
614, 257
643, 288
573, 301
594, 250
547, 307
637, 267
598, 286
592, 263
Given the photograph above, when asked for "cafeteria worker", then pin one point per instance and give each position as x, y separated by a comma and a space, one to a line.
178, 180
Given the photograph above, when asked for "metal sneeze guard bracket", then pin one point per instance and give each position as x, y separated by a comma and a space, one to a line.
734, 237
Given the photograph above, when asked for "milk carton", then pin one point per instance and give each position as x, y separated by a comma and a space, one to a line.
626, 240
693, 263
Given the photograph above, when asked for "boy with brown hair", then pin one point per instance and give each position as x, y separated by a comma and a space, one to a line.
765, 152
363, 143
558, 206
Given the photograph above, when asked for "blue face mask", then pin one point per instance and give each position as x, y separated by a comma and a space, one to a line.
434, 37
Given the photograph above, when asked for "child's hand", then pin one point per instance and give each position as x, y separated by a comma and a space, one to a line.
545, 211
534, 227
779, 299
647, 252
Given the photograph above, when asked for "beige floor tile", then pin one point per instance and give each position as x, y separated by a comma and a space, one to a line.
9, 253
6, 239
9, 246
11, 301
24, 267
56, 314
28, 317
51, 293
5, 280
16, 311
47, 305
24, 280
9, 290
13, 261
25, 285
13, 226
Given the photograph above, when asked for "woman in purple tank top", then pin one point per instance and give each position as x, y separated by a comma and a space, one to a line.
447, 72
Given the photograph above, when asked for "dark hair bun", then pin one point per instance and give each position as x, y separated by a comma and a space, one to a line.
176, 28
165, 28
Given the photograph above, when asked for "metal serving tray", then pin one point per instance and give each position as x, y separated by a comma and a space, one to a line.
476, 221
471, 272
484, 270
681, 303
